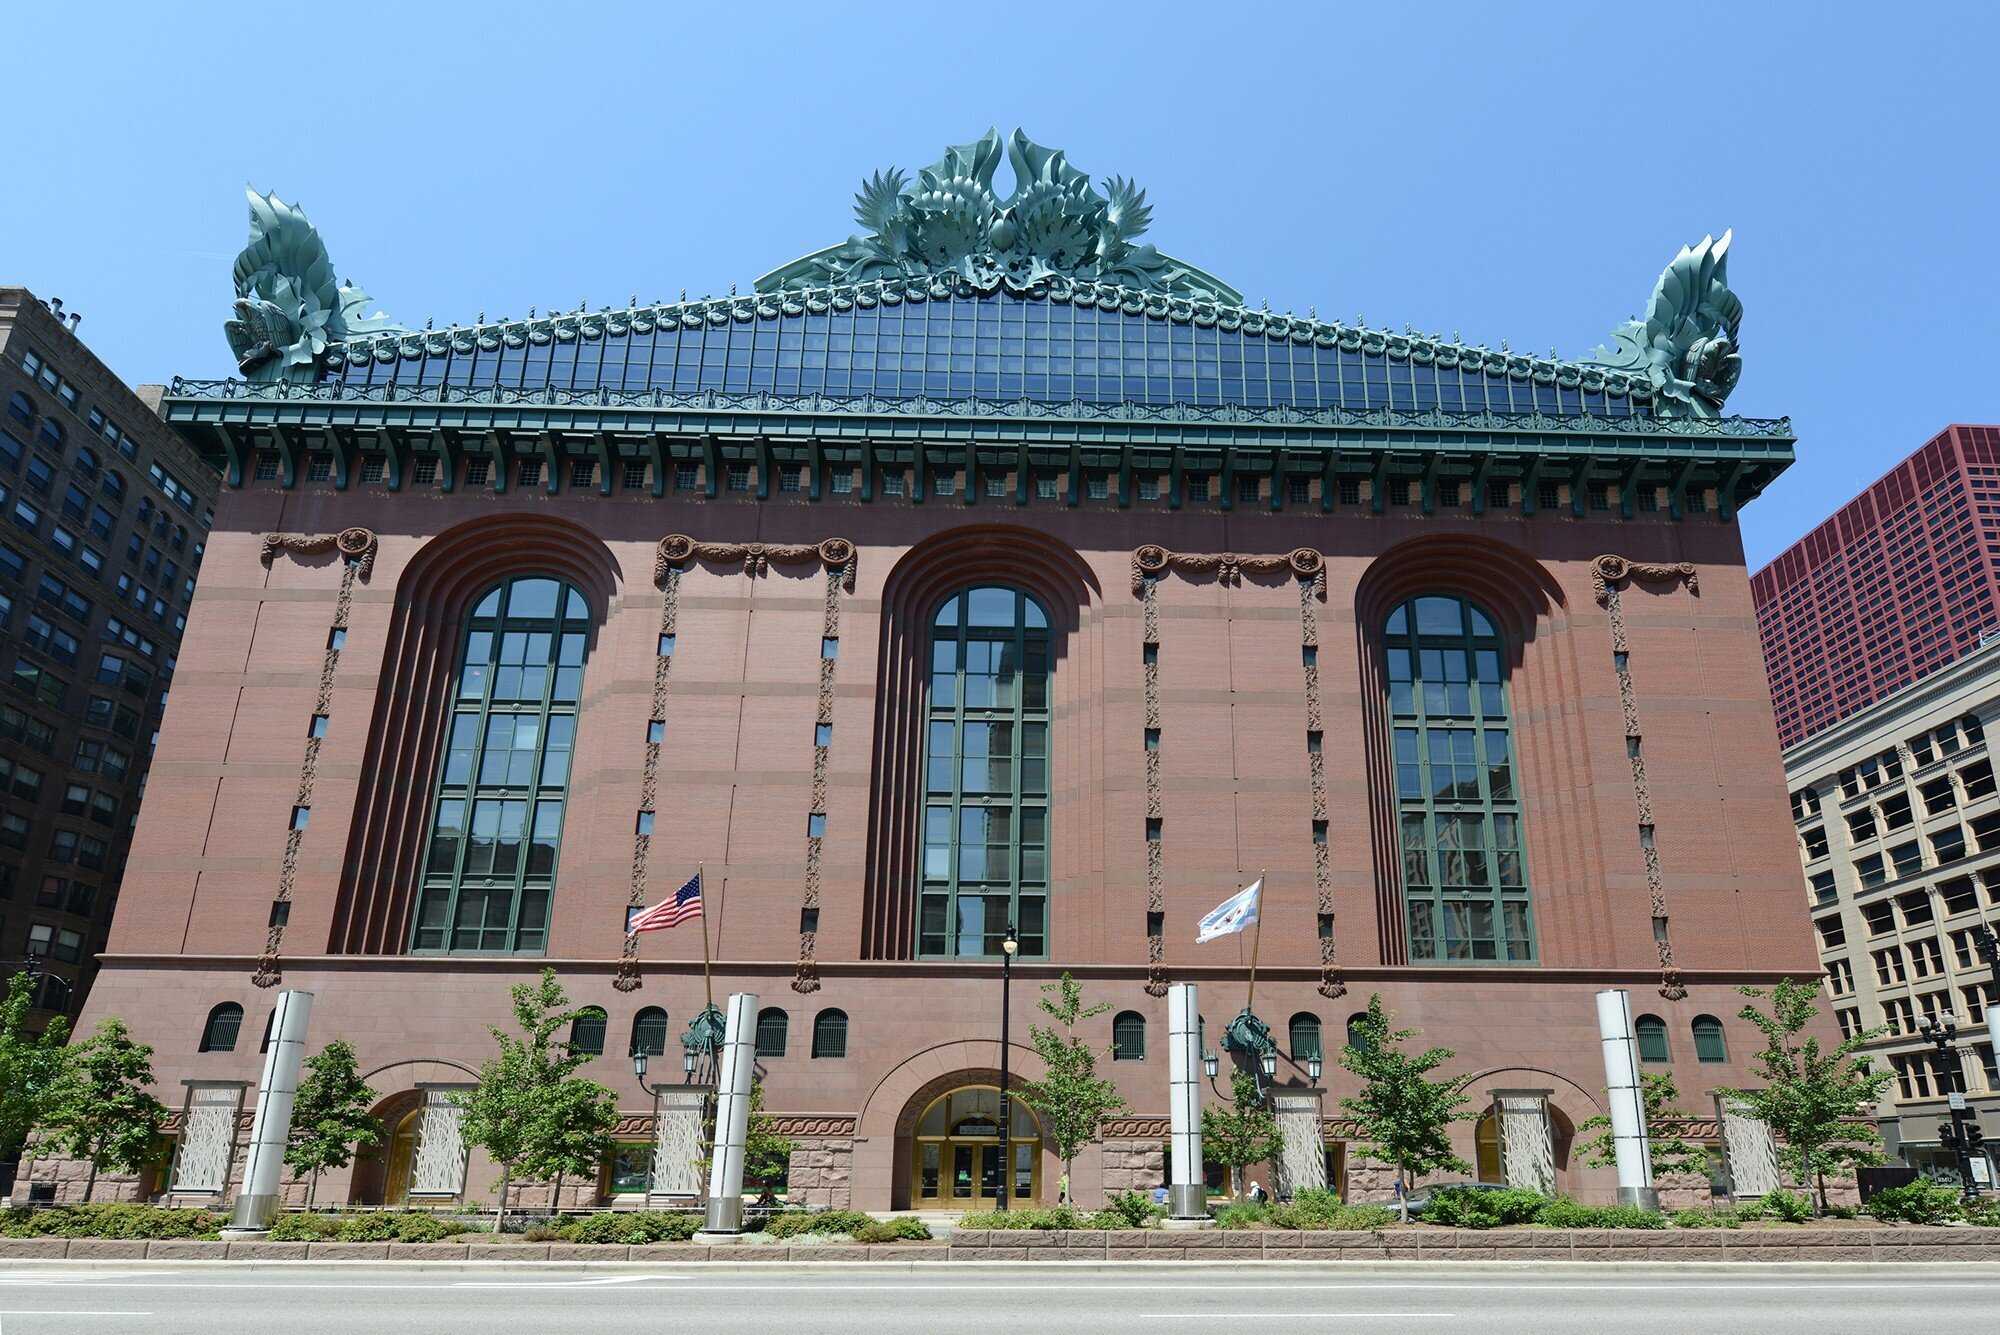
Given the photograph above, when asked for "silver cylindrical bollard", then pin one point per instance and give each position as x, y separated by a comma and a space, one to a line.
271, 1129
1187, 1193
1628, 1105
732, 1115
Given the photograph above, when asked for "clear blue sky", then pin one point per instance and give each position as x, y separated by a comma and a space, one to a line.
1508, 171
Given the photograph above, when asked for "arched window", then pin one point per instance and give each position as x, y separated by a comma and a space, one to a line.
986, 766
649, 1032
51, 435
1651, 1033
1305, 1036
219, 1033
86, 462
1357, 1032
20, 407
773, 1026
1128, 1037
491, 863
112, 484
1464, 884
1709, 1044
830, 1034
586, 1032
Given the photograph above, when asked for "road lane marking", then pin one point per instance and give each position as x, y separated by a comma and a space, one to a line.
685, 1284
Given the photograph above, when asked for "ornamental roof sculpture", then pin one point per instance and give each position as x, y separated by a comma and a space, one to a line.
952, 222
1687, 344
289, 305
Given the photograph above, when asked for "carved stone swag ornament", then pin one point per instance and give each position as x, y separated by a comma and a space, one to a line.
1608, 574
356, 548
839, 558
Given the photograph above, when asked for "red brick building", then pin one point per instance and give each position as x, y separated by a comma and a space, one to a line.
1899, 582
914, 600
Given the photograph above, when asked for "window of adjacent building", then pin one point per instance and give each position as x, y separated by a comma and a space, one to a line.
1948, 844
489, 869
1916, 908
1831, 932
1651, 1033
1909, 858
1464, 881
1815, 841
1861, 824
1870, 870
1128, 1037
1920, 750
1823, 891
830, 1034
773, 1029
1889, 966
586, 1032
985, 849
1926, 958
1840, 977
1896, 811
1709, 1044
1849, 1020
1900, 1016
1978, 779
1938, 795
1960, 895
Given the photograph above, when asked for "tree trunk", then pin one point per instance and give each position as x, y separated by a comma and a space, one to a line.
312, 1188
90, 1181
1403, 1197
555, 1198
500, 1215
1819, 1176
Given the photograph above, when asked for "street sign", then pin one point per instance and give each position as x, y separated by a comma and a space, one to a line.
1956, 1103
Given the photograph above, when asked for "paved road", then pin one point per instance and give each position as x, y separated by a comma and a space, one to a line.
107, 1299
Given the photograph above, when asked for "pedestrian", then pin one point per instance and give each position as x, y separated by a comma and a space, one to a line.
1257, 1193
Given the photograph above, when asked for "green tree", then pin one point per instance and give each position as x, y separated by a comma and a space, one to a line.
767, 1156
530, 1112
1814, 1100
1405, 1118
330, 1117
1071, 1098
1672, 1156
102, 1111
30, 1064
1244, 1133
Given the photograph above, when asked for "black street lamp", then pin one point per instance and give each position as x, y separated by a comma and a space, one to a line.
1951, 1073
1008, 949
1313, 1068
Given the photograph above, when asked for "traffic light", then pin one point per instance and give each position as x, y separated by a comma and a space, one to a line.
1975, 1139
1948, 1138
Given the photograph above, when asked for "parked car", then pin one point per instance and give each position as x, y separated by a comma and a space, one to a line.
1422, 1200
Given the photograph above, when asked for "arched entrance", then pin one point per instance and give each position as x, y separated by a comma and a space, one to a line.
400, 1159
955, 1151
381, 1174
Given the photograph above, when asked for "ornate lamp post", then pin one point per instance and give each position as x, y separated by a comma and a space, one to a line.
1313, 1068
1008, 949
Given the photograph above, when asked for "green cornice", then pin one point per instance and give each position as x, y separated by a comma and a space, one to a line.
1425, 349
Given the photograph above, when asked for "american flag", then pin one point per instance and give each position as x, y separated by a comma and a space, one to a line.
684, 905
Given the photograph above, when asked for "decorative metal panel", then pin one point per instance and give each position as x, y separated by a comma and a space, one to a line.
677, 1142
209, 1140
1527, 1152
439, 1169
1751, 1149
1302, 1161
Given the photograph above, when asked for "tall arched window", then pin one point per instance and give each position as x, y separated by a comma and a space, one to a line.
491, 863
20, 407
1128, 1037
830, 1034
986, 767
586, 1032
219, 1033
1305, 1036
1357, 1030
1464, 883
1650, 1032
773, 1028
649, 1032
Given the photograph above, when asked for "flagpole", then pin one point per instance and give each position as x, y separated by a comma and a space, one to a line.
707, 986
1257, 940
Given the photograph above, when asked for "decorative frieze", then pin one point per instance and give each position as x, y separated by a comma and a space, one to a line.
1153, 560
1608, 574
667, 575
1145, 584
677, 549
356, 548
838, 556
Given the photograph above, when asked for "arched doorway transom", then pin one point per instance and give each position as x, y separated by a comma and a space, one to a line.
955, 1161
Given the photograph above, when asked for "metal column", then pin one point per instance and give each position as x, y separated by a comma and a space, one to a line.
1187, 1193
1628, 1105
271, 1130
732, 1115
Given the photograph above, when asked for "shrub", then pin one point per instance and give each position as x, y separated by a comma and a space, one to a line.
1244, 1215
1986, 1214
903, 1229
792, 1223
1133, 1209
635, 1227
1463, 1207
1060, 1217
109, 1220
1842, 1212
1317, 1208
1915, 1203
1788, 1206
1704, 1217
1565, 1213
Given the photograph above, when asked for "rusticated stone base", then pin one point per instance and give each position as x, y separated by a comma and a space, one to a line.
822, 1172
1134, 1165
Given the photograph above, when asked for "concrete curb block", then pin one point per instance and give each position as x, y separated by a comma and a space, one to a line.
1118, 1248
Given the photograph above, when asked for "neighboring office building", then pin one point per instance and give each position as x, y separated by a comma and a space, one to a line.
919, 596
1899, 827
1900, 581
